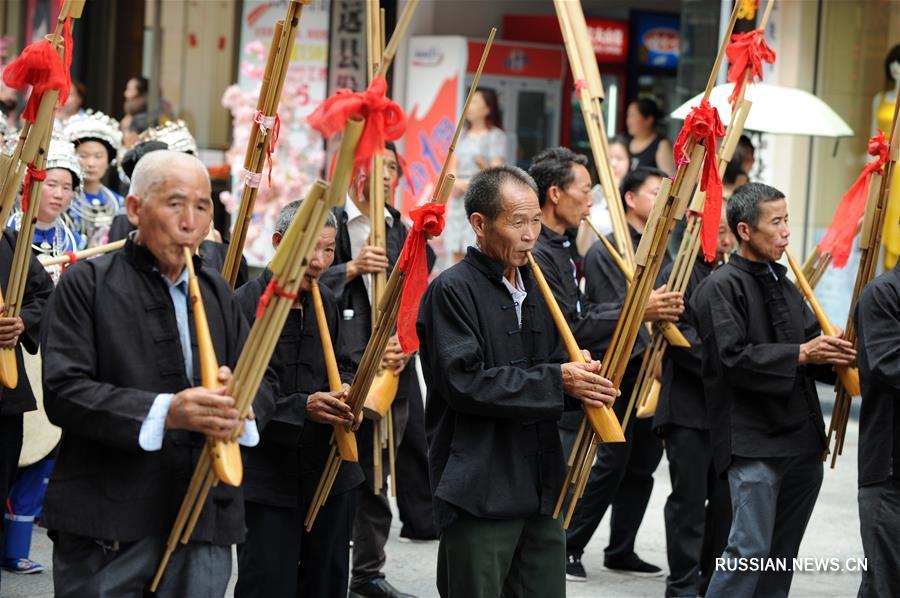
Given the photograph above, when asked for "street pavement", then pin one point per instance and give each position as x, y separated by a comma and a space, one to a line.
833, 532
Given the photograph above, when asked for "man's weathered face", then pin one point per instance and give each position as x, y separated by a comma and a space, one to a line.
322, 257
391, 175
574, 201
176, 213
510, 236
769, 238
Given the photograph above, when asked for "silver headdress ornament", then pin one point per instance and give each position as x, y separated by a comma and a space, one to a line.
175, 134
10, 137
95, 125
61, 154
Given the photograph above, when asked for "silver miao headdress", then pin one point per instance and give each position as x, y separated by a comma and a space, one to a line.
61, 154
95, 125
175, 134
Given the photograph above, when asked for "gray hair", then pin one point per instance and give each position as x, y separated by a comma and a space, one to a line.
483, 194
743, 205
151, 170
287, 213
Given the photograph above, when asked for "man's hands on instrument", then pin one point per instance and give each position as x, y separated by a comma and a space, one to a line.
394, 358
330, 408
828, 349
10, 330
584, 382
199, 409
371, 259
664, 306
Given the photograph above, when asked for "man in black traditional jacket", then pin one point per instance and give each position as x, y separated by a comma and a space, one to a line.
349, 278
698, 510
877, 320
491, 358
762, 351
622, 475
23, 331
121, 378
282, 472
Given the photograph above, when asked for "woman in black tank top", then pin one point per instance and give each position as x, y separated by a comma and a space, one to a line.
647, 146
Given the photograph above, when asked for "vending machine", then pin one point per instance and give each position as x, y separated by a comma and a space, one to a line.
527, 78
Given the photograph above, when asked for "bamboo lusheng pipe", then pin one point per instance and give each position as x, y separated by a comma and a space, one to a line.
870, 248
690, 245
344, 438
365, 372
603, 420
669, 206
57, 260
849, 376
288, 267
593, 123
672, 334
277, 64
225, 456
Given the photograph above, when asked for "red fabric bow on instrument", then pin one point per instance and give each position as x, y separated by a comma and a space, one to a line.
385, 120
428, 220
838, 239
39, 66
272, 290
31, 174
746, 52
703, 124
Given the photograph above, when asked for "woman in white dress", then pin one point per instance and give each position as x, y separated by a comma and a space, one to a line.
481, 145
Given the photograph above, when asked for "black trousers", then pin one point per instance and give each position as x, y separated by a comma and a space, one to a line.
414, 491
276, 542
622, 476
372, 522
10, 447
879, 520
87, 567
697, 513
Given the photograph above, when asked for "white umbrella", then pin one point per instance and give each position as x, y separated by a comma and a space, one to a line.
778, 110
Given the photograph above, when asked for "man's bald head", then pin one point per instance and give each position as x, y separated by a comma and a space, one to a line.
156, 167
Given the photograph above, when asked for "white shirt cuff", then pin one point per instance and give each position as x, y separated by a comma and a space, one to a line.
153, 430
250, 437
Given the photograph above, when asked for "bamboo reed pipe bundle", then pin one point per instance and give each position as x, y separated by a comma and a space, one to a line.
647, 384
849, 376
288, 267
344, 438
31, 152
669, 206
48, 261
277, 63
603, 420
870, 248
589, 88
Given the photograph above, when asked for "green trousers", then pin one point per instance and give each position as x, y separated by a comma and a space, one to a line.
487, 558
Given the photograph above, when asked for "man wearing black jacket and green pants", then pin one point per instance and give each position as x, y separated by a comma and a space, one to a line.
497, 386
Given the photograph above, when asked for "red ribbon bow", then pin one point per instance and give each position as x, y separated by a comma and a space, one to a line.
385, 120
272, 289
39, 66
31, 174
838, 239
428, 220
747, 52
72, 259
260, 119
703, 124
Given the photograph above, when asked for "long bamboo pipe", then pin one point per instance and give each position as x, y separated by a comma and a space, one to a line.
603, 420
849, 376
345, 439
